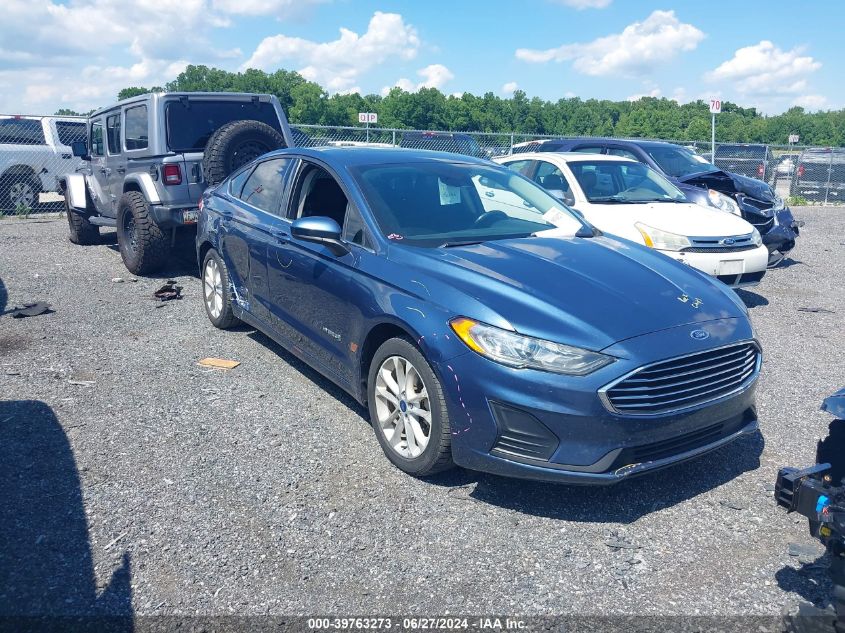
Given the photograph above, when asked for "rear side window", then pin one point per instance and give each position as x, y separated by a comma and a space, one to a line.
70, 131
589, 149
520, 166
21, 132
137, 135
624, 153
741, 151
263, 188
113, 133
190, 123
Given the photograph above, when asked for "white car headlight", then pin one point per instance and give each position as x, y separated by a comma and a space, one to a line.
662, 240
755, 237
722, 202
526, 352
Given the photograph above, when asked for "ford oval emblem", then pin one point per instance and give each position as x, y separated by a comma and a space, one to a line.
728, 241
699, 335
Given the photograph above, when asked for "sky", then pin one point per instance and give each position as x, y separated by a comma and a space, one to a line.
769, 54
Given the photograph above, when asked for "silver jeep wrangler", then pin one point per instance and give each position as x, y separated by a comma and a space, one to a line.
151, 157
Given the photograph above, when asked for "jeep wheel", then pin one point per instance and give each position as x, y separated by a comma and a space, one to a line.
143, 245
81, 231
20, 190
234, 145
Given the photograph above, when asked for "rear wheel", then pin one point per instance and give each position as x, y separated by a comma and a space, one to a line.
408, 409
144, 247
216, 291
19, 191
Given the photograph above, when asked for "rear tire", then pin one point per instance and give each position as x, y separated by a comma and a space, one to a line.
144, 247
234, 145
19, 189
217, 291
80, 230
414, 406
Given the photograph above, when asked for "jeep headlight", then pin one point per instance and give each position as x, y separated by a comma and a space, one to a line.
662, 240
722, 202
526, 352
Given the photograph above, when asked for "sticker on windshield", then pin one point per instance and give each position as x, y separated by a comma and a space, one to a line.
700, 159
448, 193
394, 236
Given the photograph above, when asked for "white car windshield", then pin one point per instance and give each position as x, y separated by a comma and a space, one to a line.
623, 182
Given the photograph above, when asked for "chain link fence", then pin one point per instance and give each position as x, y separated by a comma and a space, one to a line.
35, 151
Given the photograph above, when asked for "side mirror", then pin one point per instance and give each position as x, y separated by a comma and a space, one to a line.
80, 149
319, 230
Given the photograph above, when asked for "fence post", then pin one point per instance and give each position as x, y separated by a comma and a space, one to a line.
829, 170
511, 150
394, 138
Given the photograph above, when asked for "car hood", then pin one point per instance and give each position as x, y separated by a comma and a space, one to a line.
730, 183
590, 292
681, 218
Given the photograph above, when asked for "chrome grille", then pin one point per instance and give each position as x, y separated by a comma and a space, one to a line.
683, 382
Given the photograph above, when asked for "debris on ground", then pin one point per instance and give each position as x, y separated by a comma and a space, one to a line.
118, 280
817, 310
218, 363
82, 378
168, 291
31, 310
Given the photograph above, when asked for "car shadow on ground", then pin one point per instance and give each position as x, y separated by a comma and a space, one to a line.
788, 262
751, 299
182, 261
46, 568
811, 581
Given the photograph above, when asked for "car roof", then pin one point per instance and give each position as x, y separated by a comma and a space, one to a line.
351, 156
604, 139
569, 157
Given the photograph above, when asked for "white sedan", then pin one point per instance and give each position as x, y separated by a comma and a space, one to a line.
629, 199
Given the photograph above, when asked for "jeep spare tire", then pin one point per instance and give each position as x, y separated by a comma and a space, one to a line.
234, 145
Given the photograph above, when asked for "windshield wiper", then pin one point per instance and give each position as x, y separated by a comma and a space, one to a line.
614, 200
465, 243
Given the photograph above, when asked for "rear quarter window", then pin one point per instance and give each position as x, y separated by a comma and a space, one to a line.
70, 131
21, 132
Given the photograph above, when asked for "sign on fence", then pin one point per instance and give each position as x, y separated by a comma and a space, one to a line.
367, 117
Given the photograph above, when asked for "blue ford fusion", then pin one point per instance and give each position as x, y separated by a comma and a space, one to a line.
500, 333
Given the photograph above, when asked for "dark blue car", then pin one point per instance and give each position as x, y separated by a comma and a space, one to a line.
701, 182
514, 338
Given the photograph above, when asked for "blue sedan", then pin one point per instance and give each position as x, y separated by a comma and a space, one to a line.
500, 333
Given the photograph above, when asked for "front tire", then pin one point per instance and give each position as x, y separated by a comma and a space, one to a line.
144, 247
408, 410
80, 230
216, 291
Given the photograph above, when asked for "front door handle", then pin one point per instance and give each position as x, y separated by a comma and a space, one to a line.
121, 170
280, 235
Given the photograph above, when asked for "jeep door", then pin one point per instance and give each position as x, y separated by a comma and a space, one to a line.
98, 182
115, 160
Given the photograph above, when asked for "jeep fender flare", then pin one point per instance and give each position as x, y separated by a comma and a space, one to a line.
142, 182
73, 186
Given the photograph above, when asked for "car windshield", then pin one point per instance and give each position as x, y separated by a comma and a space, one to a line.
626, 182
436, 203
678, 161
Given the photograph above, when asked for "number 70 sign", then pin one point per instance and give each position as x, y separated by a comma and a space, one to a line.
715, 106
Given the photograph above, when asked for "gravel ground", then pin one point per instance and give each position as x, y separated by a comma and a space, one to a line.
139, 480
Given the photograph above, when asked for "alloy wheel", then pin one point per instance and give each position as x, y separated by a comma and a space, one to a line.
212, 283
403, 408
22, 193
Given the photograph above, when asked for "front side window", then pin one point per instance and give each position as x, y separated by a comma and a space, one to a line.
433, 204
264, 186
624, 153
70, 132
21, 132
615, 182
550, 177
113, 133
679, 162
137, 134
520, 166
97, 148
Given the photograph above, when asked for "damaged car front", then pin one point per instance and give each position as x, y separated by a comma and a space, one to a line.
754, 199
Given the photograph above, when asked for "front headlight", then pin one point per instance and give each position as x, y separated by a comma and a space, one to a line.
722, 202
526, 352
755, 237
662, 240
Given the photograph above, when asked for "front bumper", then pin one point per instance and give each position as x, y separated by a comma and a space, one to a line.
167, 216
736, 269
780, 238
537, 425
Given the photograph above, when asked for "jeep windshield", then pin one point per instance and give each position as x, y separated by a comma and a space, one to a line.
434, 203
191, 122
679, 162
623, 182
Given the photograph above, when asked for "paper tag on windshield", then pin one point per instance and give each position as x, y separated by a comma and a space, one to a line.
448, 193
557, 217
700, 159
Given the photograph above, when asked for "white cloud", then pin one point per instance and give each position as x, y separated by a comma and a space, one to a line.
634, 51
433, 76
652, 93
585, 4
510, 87
812, 102
278, 8
338, 64
765, 69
